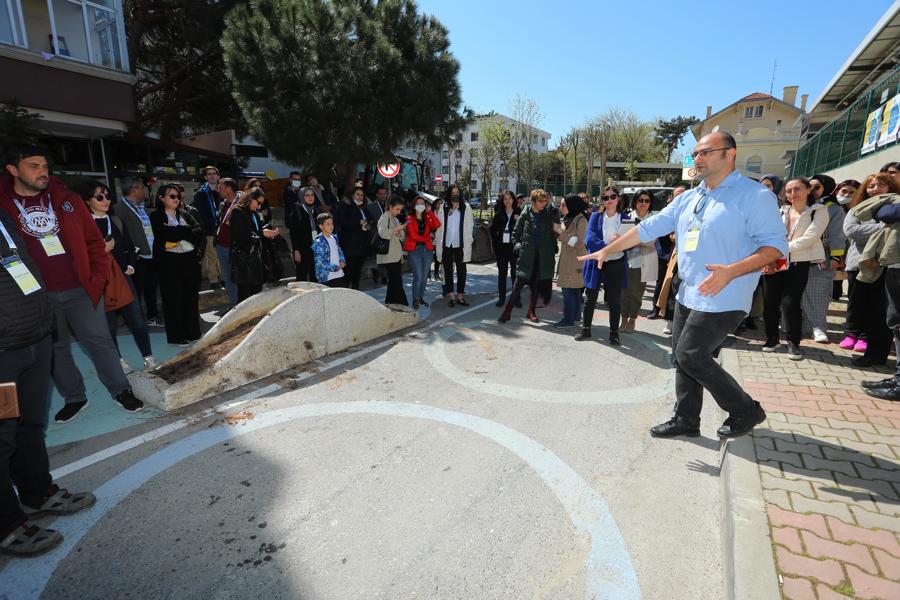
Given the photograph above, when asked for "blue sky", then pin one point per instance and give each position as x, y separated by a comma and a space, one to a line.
576, 57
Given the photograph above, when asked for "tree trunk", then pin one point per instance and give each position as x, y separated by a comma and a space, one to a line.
590, 170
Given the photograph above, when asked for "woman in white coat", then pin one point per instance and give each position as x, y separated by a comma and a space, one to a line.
453, 244
643, 264
785, 281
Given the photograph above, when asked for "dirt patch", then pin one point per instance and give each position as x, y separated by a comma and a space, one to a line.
207, 357
239, 418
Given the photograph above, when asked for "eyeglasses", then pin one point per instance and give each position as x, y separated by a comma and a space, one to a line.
174, 197
643, 201
611, 197
816, 186
705, 152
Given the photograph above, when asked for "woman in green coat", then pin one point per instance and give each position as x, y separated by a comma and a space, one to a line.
535, 248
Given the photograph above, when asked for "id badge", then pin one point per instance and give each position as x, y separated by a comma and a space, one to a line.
691, 240
148, 232
21, 275
572, 241
52, 245
506, 237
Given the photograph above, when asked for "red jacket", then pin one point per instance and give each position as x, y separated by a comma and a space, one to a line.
412, 231
79, 235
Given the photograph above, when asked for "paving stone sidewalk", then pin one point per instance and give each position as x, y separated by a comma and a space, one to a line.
829, 463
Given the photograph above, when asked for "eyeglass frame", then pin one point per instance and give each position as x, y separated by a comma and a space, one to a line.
707, 151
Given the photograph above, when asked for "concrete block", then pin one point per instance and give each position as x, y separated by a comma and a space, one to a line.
287, 328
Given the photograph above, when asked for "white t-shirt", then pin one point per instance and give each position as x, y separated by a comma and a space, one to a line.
334, 259
451, 232
610, 229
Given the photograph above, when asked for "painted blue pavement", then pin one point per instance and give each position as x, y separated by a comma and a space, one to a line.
103, 415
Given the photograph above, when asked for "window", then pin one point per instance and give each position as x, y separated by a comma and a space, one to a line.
473, 185
543, 141
503, 172
753, 112
445, 169
445, 154
457, 154
473, 137
11, 23
457, 170
754, 165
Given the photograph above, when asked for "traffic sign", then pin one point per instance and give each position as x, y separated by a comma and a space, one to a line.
389, 170
438, 178
687, 162
689, 173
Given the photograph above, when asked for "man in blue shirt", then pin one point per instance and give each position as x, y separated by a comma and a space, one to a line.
727, 230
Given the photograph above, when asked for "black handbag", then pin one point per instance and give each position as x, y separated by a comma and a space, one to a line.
247, 265
381, 245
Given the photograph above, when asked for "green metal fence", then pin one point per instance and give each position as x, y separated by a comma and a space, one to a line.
839, 142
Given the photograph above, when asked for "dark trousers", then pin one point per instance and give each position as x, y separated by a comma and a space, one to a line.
245, 290
874, 302
662, 265
145, 282
131, 313
306, 269
613, 272
784, 292
697, 338
506, 265
520, 282
340, 282
892, 292
395, 293
353, 271
179, 282
23, 453
454, 257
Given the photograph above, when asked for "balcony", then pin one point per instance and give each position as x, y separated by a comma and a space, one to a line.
86, 32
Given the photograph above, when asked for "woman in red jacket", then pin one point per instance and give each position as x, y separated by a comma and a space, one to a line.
420, 225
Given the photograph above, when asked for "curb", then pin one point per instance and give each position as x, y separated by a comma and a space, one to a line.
749, 562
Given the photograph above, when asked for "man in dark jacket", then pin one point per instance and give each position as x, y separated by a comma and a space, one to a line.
26, 487
206, 201
136, 217
303, 230
291, 197
61, 236
356, 232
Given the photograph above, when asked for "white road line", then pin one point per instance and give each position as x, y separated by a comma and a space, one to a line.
241, 400
609, 571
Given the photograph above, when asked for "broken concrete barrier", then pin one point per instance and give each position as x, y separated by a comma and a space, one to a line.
270, 332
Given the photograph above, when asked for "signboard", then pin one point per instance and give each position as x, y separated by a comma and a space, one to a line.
688, 171
873, 128
438, 178
389, 170
891, 121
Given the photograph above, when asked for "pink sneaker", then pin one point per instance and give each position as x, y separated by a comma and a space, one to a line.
860, 346
848, 342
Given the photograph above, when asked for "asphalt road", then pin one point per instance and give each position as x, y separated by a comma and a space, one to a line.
469, 460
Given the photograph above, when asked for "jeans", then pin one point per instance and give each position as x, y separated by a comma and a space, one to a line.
419, 262
75, 313
697, 338
134, 321
784, 291
23, 453
224, 255
571, 305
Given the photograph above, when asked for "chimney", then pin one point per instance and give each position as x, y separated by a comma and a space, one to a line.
708, 111
790, 94
803, 100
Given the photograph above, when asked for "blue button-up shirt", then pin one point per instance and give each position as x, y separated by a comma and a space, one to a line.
735, 220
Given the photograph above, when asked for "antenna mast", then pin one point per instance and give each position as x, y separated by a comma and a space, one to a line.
772, 86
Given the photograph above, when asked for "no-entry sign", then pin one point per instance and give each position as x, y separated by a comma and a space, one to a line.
389, 170
438, 178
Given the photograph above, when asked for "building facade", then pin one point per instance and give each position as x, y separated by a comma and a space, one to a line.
852, 127
767, 130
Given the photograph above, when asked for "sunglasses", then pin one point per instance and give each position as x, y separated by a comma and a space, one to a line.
174, 197
611, 197
101, 197
643, 201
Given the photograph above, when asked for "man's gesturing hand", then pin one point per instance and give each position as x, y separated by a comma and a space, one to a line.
719, 277
599, 256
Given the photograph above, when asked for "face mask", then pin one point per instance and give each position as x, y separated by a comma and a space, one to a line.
295, 183
357, 202
420, 208
844, 199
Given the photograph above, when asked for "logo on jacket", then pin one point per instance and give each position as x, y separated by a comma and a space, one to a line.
38, 222
67, 206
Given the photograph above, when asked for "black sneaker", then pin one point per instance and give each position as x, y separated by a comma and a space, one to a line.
69, 411
422, 302
743, 424
676, 426
880, 384
794, 352
128, 402
614, 339
584, 334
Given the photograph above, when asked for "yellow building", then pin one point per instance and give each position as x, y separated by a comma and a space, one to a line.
767, 130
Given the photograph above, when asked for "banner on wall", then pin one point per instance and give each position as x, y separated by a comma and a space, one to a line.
890, 121
873, 128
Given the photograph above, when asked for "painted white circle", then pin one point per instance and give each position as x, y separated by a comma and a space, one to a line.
662, 384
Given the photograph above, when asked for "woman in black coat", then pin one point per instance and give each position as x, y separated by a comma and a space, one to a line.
356, 235
178, 244
248, 269
502, 226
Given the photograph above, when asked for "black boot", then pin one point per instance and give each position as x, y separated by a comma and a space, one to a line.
501, 300
587, 317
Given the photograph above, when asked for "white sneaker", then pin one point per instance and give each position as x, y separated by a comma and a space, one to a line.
668, 328
149, 363
820, 336
125, 366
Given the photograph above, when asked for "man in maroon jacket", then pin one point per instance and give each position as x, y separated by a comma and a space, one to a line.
71, 256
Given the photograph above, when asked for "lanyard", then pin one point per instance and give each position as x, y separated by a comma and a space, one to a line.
141, 215
700, 209
51, 213
508, 227
212, 204
9, 241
